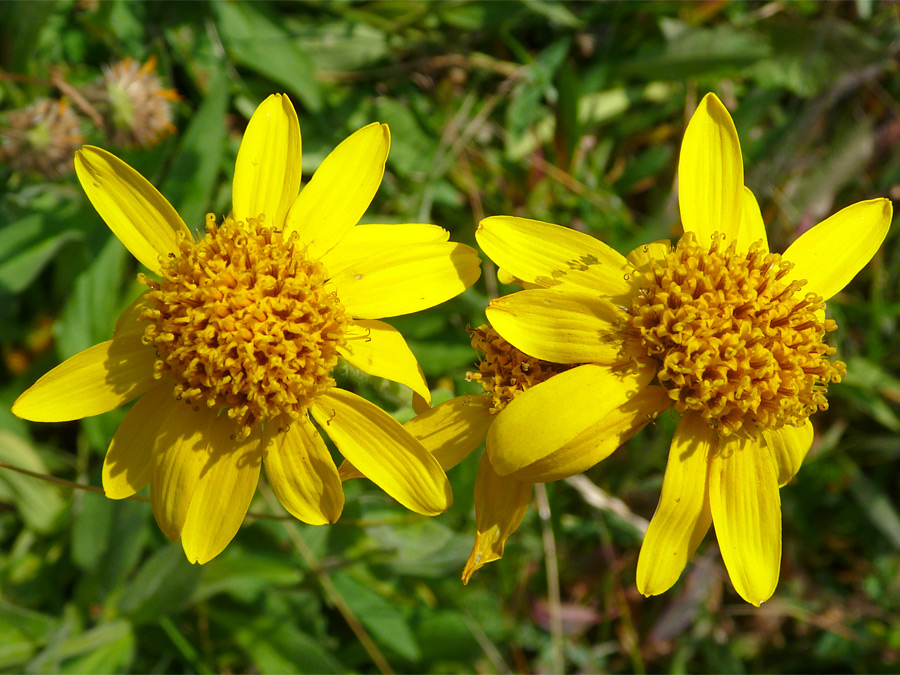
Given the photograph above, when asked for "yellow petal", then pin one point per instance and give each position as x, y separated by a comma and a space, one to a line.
560, 327
379, 349
746, 511
550, 255
406, 280
789, 446
364, 241
94, 381
341, 190
126, 469
228, 480
682, 517
268, 168
752, 228
711, 174
643, 256
179, 451
129, 322
552, 414
833, 252
500, 506
133, 209
302, 473
449, 431
596, 442
377, 445
452, 430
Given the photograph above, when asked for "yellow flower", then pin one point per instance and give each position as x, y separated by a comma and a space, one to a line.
233, 348
721, 330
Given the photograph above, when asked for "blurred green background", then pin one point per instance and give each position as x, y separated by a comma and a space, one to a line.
567, 112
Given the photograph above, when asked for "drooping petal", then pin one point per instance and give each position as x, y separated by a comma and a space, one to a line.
340, 190
449, 431
833, 252
549, 416
133, 209
682, 516
596, 442
654, 252
560, 327
550, 255
379, 349
789, 446
711, 174
227, 483
746, 512
302, 473
364, 241
126, 469
97, 380
500, 506
387, 454
268, 168
406, 280
752, 228
180, 450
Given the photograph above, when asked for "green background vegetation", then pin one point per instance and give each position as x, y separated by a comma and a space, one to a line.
570, 113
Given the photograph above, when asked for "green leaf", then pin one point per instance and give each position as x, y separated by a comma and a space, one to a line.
39, 502
380, 616
26, 246
162, 585
191, 181
875, 503
257, 41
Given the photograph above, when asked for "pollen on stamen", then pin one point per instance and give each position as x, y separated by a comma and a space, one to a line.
733, 340
243, 322
505, 372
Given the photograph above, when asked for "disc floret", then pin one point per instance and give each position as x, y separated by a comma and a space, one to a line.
243, 321
505, 372
734, 340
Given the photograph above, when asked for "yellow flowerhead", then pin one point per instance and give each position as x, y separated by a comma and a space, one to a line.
728, 334
232, 348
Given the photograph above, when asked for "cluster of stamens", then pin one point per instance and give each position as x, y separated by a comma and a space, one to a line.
735, 342
242, 320
505, 372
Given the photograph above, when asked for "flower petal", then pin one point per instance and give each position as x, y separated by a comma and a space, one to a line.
711, 173
379, 349
377, 445
752, 228
340, 190
133, 209
833, 252
449, 431
129, 322
567, 405
682, 517
500, 506
789, 446
227, 483
364, 241
126, 469
406, 280
746, 511
97, 380
596, 442
302, 473
654, 252
268, 168
560, 327
179, 452
550, 255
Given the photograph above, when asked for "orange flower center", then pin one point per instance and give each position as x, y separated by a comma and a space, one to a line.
505, 372
244, 322
734, 341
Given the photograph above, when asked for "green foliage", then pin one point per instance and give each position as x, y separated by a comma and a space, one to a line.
566, 112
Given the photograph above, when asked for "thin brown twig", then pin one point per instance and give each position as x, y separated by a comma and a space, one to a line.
552, 565
473, 61
331, 592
